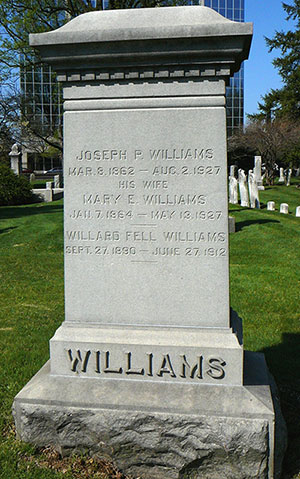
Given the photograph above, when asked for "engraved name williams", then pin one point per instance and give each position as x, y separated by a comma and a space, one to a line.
143, 365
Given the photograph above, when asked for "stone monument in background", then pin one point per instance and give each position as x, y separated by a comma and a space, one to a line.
244, 196
148, 368
15, 159
257, 173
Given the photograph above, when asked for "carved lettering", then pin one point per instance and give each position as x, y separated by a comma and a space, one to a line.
131, 370
101, 199
188, 370
166, 367
182, 154
102, 155
79, 362
216, 369
107, 368
179, 366
174, 199
150, 364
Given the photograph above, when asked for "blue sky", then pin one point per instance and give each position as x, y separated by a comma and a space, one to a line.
260, 75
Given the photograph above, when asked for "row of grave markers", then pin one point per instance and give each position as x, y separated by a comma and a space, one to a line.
284, 208
249, 193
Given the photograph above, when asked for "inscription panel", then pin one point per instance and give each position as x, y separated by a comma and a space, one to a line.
204, 365
146, 237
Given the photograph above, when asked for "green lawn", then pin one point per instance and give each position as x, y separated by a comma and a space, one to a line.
265, 280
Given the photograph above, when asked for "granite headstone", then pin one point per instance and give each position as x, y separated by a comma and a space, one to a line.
148, 368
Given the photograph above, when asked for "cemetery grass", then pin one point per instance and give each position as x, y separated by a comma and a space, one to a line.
265, 291
265, 279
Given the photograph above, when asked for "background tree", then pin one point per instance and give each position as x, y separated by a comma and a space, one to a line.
277, 142
18, 18
285, 101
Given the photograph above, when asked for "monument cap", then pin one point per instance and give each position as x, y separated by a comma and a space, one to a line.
178, 35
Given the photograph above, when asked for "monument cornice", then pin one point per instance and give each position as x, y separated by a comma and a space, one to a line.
144, 39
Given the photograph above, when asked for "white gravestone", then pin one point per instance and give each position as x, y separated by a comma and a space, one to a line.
298, 211
253, 190
233, 190
281, 176
271, 206
148, 338
232, 170
243, 188
288, 177
284, 208
56, 181
15, 159
297, 172
257, 173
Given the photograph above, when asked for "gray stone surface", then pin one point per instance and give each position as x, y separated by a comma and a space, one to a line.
15, 159
257, 172
212, 431
231, 224
145, 202
243, 188
147, 369
232, 170
233, 190
281, 176
298, 211
48, 194
271, 206
288, 176
284, 208
253, 190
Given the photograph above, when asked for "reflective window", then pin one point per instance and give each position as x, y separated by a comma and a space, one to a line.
234, 10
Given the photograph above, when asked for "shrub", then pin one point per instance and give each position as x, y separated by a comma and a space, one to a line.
14, 190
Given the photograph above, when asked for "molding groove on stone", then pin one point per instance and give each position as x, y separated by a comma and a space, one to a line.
145, 103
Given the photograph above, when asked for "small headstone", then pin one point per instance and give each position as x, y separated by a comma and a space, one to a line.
271, 206
148, 338
56, 180
289, 176
284, 208
297, 172
281, 176
242, 180
231, 224
233, 170
253, 190
298, 211
49, 185
32, 178
233, 190
257, 173
15, 159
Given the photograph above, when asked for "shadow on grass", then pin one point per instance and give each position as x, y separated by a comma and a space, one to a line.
7, 230
284, 363
243, 224
7, 212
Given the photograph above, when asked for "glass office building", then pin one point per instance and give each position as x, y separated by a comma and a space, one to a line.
234, 10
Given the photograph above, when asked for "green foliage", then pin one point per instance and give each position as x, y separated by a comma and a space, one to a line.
18, 18
285, 101
277, 142
14, 190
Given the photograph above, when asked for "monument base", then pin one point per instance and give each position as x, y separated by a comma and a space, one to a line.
202, 431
